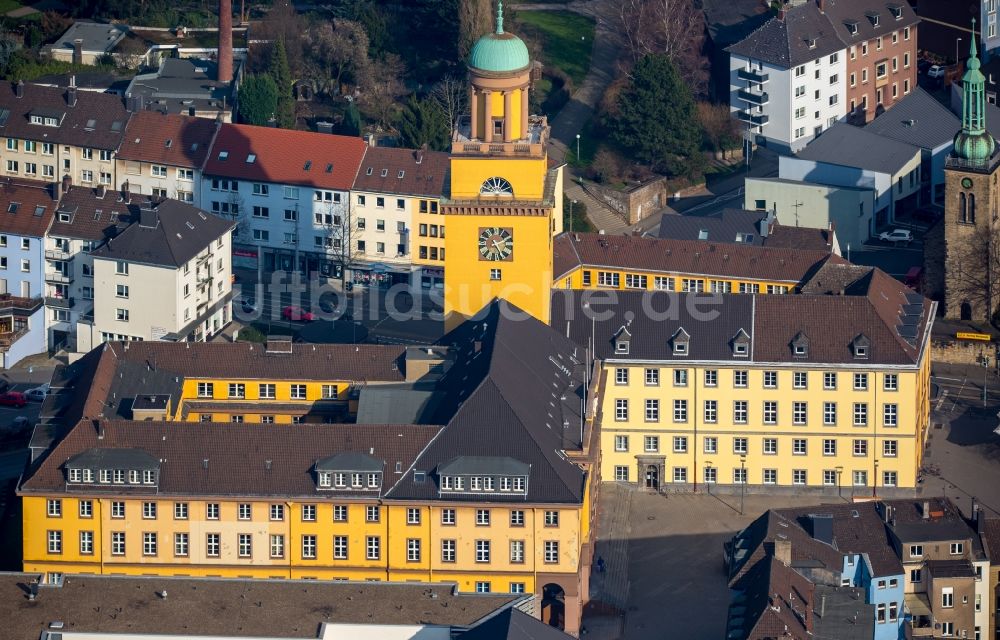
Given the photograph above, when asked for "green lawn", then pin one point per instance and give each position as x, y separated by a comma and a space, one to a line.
8, 5
589, 140
566, 39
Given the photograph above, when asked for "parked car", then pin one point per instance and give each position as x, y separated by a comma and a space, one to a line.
37, 394
297, 314
896, 235
936, 71
248, 304
13, 399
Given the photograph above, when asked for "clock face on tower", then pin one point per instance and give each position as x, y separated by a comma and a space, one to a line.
495, 243
966, 183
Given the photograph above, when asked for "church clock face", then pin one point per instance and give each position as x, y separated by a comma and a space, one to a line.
495, 243
966, 183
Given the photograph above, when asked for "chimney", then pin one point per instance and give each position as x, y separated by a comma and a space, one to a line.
71, 92
927, 510
101, 191
78, 51
225, 41
148, 217
783, 552
19, 89
67, 183
822, 5
781, 14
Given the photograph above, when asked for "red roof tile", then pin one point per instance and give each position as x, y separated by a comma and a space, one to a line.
26, 198
283, 156
403, 171
179, 141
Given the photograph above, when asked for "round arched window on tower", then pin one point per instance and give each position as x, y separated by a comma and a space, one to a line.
496, 187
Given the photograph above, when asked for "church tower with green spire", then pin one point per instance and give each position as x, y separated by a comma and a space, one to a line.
963, 268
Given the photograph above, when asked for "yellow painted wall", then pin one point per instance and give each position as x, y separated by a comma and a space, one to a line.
497, 109
525, 278
526, 175
576, 279
391, 528
427, 218
911, 414
314, 390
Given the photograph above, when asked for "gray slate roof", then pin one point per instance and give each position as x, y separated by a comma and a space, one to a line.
851, 146
726, 226
785, 42
513, 624
182, 232
919, 120
100, 458
840, 12
401, 403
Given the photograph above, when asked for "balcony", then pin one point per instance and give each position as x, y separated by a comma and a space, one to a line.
58, 277
533, 145
757, 119
754, 98
59, 303
19, 306
752, 76
57, 254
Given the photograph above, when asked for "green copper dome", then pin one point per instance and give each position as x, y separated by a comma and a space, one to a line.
499, 52
974, 143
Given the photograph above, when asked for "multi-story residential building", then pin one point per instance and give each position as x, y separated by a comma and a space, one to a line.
50, 133
28, 210
788, 78
399, 231
436, 494
165, 276
283, 201
824, 392
989, 534
837, 559
598, 261
819, 61
881, 41
162, 155
945, 568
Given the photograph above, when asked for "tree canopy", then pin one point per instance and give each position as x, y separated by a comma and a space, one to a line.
279, 72
258, 98
423, 122
656, 120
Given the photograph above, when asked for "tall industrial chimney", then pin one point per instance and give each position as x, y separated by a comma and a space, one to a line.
225, 40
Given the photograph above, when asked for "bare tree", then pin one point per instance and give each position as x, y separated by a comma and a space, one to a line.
130, 54
475, 19
344, 231
973, 272
382, 89
281, 22
334, 52
721, 129
451, 94
673, 27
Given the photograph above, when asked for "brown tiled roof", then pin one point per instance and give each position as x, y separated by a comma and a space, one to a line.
178, 141
362, 362
238, 455
424, 173
991, 538
724, 260
782, 236
285, 156
32, 204
97, 120
93, 217
231, 607
836, 278
774, 595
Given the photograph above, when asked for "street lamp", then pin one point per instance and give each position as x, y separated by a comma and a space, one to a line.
957, 40
875, 481
571, 203
743, 480
986, 370
578, 148
839, 470
709, 483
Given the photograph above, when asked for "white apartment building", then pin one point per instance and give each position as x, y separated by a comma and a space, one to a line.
162, 155
285, 189
165, 276
392, 196
788, 79
50, 133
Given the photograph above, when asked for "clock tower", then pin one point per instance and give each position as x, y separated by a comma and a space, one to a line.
972, 195
505, 202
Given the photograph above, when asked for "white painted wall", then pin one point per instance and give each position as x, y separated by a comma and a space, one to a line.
851, 210
170, 179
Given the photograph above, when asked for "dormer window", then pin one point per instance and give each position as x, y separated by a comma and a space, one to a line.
872, 17
75, 475
351, 471
622, 339
811, 42
339, 480
680, 341
860, 346
852, 28
323, 479
741, 344
800, 345
896, 10
621, 346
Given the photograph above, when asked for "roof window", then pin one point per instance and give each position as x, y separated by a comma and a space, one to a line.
223, 156
368, 172
401, 174
385, 172
12, 207
169, 143
251, 158
39, 210
329, 167
91, 124
308, 165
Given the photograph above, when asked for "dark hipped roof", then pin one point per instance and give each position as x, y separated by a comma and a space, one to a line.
919, 120
849, 146
97, 120
842, 12
221, 607
95, 214
514, 391
513, 624
785, 42
285, 156
178, 232
403, 172
247, 459
26, 207
670, 256
178, 141
830, 323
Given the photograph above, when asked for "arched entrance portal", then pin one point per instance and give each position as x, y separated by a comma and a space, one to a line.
554, 606
966, 311
652, 477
